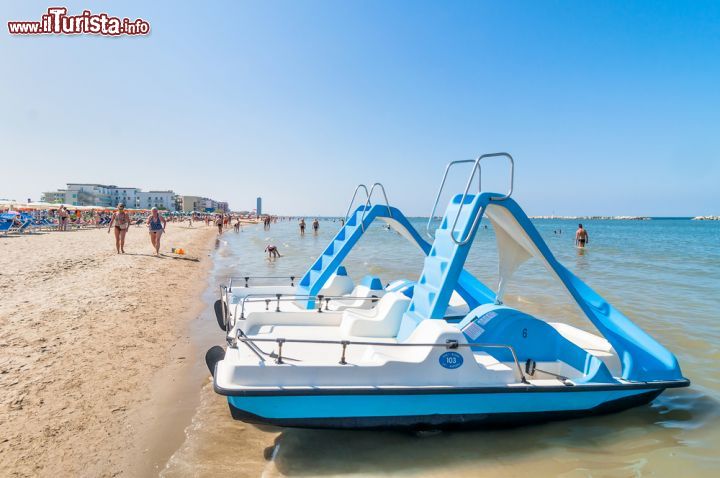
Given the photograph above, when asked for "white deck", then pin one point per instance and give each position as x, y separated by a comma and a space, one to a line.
317, 365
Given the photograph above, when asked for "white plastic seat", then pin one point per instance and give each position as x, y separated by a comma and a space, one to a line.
381, 321
358, 299
337, 285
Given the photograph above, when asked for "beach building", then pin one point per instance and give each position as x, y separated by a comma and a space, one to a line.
164, 200
258, 207
103, 195
81, 194
190, 203
61, 196
127, 196
201, 204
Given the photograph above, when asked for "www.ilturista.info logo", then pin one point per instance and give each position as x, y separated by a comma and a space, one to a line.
58, 22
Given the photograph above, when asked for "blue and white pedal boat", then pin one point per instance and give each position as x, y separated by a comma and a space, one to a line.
401, 364
326, 284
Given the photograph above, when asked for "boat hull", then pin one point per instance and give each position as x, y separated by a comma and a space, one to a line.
442, 409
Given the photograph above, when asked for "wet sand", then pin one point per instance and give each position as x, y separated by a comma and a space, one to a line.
93, 346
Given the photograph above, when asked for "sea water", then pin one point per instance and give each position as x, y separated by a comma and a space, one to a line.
663, 273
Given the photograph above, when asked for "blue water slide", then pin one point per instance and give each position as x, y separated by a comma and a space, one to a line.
642, 357
470, 288
443, 265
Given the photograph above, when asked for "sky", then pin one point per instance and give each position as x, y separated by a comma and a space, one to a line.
608, 108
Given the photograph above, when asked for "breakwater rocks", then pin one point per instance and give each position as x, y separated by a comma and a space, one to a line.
706, 218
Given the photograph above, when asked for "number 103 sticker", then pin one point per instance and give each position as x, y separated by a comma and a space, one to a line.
451, 360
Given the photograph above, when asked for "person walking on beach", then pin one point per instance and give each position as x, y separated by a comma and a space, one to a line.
302, 226
581, 236
219, 223
157, 224
316, 226
62, 218
272, 251
121, 220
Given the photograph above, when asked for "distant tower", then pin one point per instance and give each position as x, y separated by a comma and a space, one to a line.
258, 208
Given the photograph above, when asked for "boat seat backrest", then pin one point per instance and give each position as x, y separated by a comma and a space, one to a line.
531, 338
382, 321
337, 285
360, 291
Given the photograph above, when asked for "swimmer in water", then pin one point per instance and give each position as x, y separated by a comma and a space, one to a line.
302, 226
581, 236
272, 251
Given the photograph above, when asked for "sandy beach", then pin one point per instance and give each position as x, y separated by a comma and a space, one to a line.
85, 337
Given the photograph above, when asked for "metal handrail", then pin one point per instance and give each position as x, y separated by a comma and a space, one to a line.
267, 298
449, 344
476, 167
278, 298
224, 302
249, 343
387, 203
367, 195
247, 279
442, 185
478, 216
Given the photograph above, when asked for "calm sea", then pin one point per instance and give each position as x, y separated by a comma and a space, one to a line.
663, 273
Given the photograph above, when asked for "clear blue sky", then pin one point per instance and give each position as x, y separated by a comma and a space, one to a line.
608, 107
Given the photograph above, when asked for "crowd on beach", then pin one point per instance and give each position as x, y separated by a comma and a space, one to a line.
119, 221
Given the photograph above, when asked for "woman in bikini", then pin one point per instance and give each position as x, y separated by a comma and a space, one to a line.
121, 220
156, 223
219, 223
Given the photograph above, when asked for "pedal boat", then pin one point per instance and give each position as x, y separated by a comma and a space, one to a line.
326, 286
402, 365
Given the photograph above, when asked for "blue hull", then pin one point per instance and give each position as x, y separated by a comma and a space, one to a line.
440, 409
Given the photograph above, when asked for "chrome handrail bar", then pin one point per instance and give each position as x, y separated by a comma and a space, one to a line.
292, 298
266, 298
479, 215
476, 167
247, 279
450, 344
367, 195
225, 304
442, 186
387, 203
248, 343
